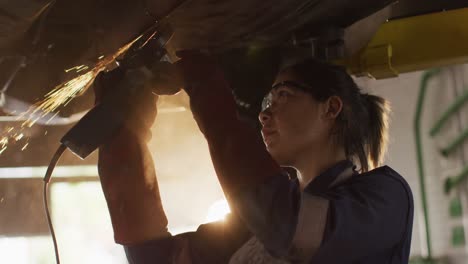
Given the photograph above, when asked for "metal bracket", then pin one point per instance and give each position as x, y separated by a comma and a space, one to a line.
376, 62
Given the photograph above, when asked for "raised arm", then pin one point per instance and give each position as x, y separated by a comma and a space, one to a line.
127, 171
256, 187
131, 190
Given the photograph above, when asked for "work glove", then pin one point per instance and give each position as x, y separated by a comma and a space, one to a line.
238, 153
125, 165
211, 99
257, 189
131, 92
165, 78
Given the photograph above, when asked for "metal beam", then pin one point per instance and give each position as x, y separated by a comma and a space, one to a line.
408, 8
414, 43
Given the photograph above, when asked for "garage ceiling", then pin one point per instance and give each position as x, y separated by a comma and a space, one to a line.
71, 30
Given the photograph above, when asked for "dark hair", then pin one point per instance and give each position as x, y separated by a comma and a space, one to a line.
361, 127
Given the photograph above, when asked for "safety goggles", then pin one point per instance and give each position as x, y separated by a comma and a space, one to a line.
268, 99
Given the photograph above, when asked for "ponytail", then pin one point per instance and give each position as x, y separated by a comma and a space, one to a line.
361, 127
377, 136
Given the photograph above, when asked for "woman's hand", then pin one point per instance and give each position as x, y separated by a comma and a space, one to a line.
132, 92
211, 99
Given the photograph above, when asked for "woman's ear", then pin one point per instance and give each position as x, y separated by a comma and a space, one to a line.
334, 106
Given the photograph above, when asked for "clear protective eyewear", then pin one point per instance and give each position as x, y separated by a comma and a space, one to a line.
268, 99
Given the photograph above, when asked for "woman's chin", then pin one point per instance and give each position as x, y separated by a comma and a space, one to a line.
278, 155
271, 148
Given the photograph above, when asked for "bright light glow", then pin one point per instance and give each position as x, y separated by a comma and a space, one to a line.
39, 172
218, 211
26, 250
181, 229
12, 250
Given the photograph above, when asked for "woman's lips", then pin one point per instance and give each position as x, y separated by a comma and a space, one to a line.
268, 135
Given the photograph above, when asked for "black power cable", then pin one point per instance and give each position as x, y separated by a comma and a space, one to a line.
47, 176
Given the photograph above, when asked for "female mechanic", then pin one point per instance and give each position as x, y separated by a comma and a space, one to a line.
341, 207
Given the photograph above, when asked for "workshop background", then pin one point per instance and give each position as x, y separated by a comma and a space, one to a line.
416, 60
192, 196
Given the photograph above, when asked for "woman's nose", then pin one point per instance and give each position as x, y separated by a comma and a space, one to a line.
264, 116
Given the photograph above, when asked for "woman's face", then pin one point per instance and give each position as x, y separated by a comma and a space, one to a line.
293, 123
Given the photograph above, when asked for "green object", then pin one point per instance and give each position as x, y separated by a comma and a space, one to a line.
454, 144
459, 102
458, 236
456, 208
421, 260
452, 182
419, 152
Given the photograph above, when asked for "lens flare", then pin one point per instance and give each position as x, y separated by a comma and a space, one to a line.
218, 211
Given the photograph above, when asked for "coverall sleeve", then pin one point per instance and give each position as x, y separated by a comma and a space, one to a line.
212, 243
289, 223
367, 216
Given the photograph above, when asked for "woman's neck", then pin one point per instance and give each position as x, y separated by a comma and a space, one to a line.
315, 161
